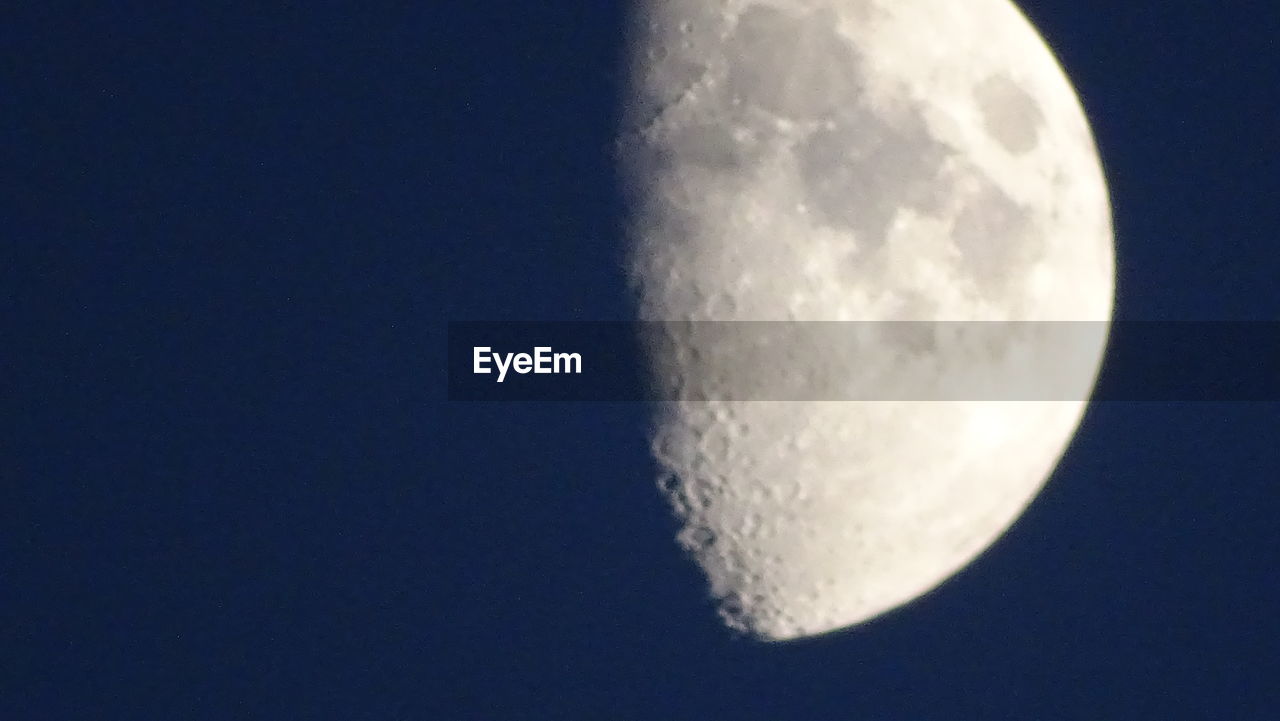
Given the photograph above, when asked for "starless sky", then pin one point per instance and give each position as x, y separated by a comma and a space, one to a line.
232, 488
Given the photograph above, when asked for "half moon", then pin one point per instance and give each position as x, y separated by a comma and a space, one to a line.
859, 160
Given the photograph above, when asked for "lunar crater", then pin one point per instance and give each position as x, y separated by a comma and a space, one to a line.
1009, 113
794, 66
864, 170
996, 238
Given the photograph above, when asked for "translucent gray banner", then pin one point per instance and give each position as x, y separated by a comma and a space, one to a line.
865, 361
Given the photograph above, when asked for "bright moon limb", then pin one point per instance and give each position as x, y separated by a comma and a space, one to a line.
806, 160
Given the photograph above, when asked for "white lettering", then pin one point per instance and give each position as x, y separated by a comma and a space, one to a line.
478, 355
572, 363
502, 366
523, 363
542, 362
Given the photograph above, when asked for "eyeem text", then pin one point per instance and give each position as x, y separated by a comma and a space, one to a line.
543, 361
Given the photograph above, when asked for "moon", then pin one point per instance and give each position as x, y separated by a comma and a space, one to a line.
855, 160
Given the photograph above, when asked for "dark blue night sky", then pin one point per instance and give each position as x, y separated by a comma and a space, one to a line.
232, 486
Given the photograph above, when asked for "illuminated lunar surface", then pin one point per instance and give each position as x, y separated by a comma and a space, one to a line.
855, 160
